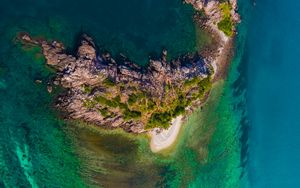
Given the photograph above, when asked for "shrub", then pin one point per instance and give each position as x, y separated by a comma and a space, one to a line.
205, 84
191, 82
135, 97
159, 120
128, 114
167, 88
104, 112
178, 110
89, 104
226, 24
87, 89
108, 82
150, 104
104, 101
132, 99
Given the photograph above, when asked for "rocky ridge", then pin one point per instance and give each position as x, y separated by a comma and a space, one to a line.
137, 98
122, 94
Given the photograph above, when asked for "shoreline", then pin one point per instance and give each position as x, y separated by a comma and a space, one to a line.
84, 101
220, 63
165, 138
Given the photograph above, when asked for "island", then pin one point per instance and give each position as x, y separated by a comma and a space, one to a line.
153, 99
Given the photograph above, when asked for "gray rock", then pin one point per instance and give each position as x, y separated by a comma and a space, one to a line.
79, 74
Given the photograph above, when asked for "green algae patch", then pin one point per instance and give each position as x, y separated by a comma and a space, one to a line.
35, 52
203, 38
114, 157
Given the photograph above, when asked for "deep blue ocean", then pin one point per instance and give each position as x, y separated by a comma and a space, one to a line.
272, 61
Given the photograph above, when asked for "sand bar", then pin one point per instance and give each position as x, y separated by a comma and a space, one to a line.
165, 138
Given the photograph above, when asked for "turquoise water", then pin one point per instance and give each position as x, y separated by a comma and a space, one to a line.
272, 58
34, 149
38, 149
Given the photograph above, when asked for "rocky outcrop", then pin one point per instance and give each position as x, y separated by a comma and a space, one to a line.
122, 94
213, 13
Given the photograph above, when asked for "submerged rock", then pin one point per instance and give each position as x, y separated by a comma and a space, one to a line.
49, 89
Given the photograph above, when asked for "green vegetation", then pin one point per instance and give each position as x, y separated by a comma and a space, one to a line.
128, 114
226, 24
87, 89
149, 105
153, 111
192, 82
133, 98
89, 104
113, 103
108, 82
205, 85
162, 117
104, 112
167, 88
159, 120
102, 100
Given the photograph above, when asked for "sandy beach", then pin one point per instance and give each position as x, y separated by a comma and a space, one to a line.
165, 138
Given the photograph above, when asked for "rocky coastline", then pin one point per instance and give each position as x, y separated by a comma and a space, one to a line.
124, 95
213, 11
96, 82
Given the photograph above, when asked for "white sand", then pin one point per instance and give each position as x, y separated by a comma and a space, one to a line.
165, 138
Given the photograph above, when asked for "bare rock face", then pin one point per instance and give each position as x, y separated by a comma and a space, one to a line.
87, 50
123, 94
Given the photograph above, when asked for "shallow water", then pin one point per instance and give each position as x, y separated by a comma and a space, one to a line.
38, 149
